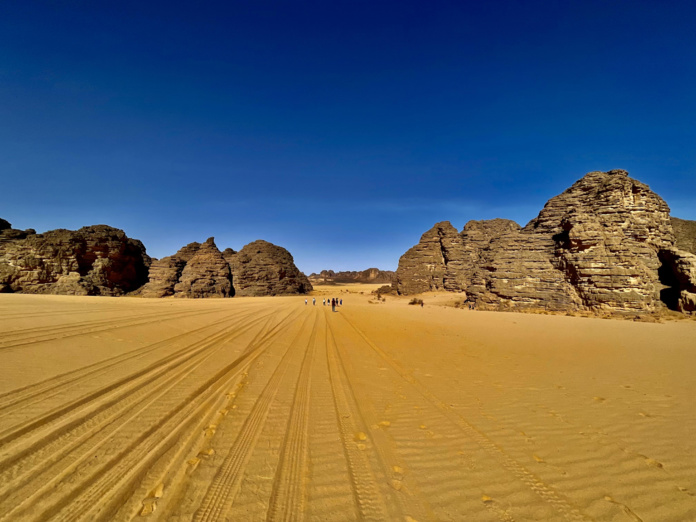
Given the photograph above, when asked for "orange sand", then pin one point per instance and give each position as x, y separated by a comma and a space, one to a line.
264, 408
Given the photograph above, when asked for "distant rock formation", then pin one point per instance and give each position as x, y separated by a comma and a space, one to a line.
262, 268
685, 234
95, 260
371, 275
605, 244
196, 270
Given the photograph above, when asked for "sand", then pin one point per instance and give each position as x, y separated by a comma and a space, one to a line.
270, 409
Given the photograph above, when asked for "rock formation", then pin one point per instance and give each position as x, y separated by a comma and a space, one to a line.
95, 260
601, 245
206, 274
684, 234
262, 268
166, 272
201, 270
371, 275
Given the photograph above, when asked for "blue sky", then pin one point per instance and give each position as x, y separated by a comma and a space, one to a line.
339, 130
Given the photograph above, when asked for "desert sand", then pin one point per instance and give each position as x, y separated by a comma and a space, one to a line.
270, 409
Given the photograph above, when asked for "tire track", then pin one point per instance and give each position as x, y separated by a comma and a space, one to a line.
225, 485
288, 496
369, 500
99, 489
68, 414
96, 430
21, 398
547, 493
29, 336
406, 494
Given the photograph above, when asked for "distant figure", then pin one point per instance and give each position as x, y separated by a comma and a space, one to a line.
305, 302
341, 302
323, 302
421, 304
333, 305
314, 301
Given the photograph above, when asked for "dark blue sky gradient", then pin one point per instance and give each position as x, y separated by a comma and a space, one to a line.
339, 130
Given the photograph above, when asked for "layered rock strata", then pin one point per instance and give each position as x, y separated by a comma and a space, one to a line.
201, 270
371, 275
94, 260
684, 234
262, 268
601, 245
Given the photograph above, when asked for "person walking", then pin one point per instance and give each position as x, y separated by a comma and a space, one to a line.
323, 302
305, 302
314, 301
333, 305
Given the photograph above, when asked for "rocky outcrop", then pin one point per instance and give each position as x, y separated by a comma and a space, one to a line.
94, 260
4, 224
684, 234
371, 275
206, 274
262, 268
602, 245
434, 263
678, 274
166, 272
201, 270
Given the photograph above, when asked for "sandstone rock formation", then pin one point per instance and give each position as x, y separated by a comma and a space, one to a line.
601, 245
371, 275
95, 260
434, 263
166, 272
262, 268
206, 274
201, 270
684, 234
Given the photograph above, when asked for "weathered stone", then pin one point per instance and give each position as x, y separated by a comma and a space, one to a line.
4, 224
433, 264
371, 275
594, 247
95, 260
166, 272
262, 268
678, 274
206, 274
684, 234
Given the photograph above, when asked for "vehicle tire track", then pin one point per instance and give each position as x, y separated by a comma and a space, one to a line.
288, 495
547, 493
96, 489
406, 494
225, 485
369, 500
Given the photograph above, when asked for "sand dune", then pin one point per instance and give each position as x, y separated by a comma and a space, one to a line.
270, 409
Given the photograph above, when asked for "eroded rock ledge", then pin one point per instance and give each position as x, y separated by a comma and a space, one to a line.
605, 244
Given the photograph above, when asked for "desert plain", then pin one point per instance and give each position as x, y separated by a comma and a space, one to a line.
272, 409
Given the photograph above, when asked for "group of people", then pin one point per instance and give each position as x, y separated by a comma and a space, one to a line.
334, 302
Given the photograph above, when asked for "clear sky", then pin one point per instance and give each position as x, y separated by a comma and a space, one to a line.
339, 130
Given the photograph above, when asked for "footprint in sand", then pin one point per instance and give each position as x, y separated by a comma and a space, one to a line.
599, 399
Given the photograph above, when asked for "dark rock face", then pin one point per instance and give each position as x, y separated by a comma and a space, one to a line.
678, 274
95, 260
371, 275
262, 268
206, 274
201, 270
597, 246
166, 272
434, 263
684, 234
4, 224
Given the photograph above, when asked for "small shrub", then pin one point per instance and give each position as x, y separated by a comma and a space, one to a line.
415, 301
